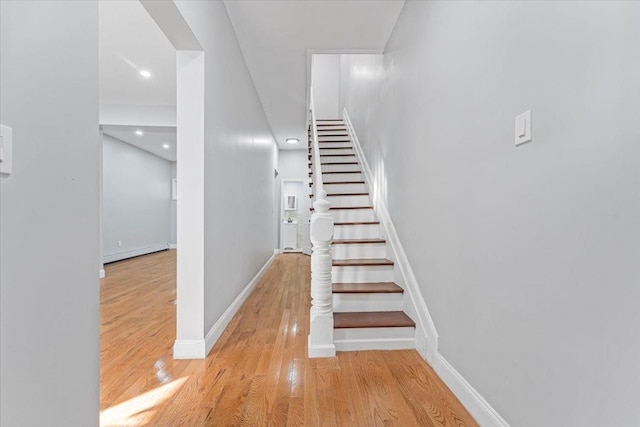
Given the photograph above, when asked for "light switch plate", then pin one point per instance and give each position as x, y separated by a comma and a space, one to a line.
523, 128
6, 150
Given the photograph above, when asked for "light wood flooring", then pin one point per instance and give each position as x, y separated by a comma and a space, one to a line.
257, 374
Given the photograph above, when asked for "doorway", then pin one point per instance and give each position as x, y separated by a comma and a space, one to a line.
294, 216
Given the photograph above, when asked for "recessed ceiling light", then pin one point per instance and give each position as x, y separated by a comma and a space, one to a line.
145, 74
165, 146
139, 132
292, 140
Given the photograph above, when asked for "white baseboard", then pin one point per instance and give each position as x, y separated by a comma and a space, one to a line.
277, 251
173, 246
102, 274
134, 252
480, 409
218, 328
426, 333
189, 349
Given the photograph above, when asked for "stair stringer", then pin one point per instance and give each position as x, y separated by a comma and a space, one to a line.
414, 303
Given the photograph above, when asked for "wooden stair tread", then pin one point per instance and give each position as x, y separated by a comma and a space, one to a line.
372, 319
338, 155
329, 172
357, 223
347, 207
311, 196
361, 262
341, 194
335, 155
339, 182
347, 194
367, 288
334, 141
338, 163
357, 241
324, 149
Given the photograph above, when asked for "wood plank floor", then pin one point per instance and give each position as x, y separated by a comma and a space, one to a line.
257, 374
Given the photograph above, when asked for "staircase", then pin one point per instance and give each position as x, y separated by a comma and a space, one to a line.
367, 303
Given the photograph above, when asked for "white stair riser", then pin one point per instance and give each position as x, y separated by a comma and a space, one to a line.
330, 122
338, 159
340, 168
343, 201
358, 251
367, 302
345, 188
356, 231
338, 126
336, 150
337, 177
353, 215
338, 137
362, 274
352, 339
347, 201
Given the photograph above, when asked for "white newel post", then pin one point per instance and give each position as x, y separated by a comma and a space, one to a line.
321, 323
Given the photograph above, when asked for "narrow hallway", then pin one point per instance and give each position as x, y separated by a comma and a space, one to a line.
257, 373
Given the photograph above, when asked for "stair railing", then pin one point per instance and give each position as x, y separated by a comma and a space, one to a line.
320, 342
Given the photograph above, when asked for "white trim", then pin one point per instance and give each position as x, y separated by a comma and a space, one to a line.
426, 333
102, 274
135, 252
478, 407
189, 349
277, 251
173, 246
218, 328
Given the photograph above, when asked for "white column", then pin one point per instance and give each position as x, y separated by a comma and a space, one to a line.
190, 342
321, 323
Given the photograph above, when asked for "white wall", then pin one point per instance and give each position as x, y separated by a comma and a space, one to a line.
294, 165
325, 75
173, 236
49, 250
528, 256
239, 164
137, 202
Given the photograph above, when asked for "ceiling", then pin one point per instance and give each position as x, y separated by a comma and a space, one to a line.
151, 140
274, 37
130, 41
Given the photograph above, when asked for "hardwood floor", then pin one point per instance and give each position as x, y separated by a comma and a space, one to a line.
257, 374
